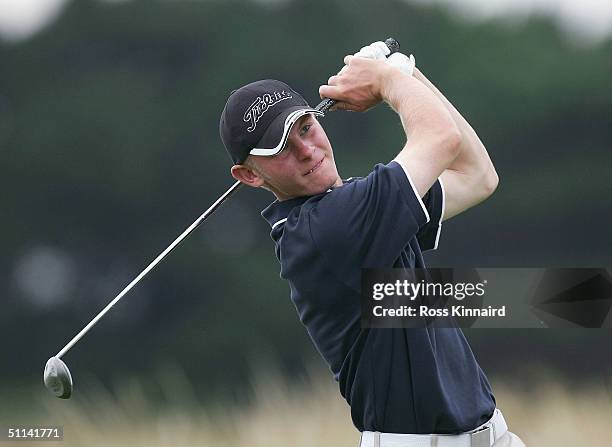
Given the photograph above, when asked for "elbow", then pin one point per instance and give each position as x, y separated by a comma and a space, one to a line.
490, 182
493, 181
482, 186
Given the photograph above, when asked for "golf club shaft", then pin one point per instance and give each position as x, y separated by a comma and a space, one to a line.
323, 106
150, 267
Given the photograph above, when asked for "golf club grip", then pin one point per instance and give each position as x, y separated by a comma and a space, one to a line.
328, 103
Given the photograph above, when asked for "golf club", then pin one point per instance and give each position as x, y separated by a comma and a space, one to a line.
57, 377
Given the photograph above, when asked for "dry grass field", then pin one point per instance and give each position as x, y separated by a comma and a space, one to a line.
310, 413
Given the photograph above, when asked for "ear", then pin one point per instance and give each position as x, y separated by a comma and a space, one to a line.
247, 176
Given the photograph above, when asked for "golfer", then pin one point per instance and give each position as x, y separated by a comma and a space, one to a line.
405, 387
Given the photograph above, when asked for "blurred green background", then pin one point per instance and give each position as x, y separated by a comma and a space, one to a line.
109, 146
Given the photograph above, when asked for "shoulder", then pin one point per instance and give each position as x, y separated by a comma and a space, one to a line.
369, 220
385, 193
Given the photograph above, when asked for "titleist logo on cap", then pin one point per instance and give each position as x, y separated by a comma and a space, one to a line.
261, 105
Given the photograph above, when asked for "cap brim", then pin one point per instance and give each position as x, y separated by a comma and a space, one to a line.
275, 137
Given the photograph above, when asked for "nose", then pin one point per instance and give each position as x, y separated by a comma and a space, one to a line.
303, 150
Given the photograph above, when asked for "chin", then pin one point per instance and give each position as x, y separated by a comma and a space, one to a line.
323, 186
321, 182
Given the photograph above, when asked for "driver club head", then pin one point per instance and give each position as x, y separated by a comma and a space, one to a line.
57, 378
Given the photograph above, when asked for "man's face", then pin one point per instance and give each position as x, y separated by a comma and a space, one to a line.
304, 167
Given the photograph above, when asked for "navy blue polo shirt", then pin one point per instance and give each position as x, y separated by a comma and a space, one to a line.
423, 380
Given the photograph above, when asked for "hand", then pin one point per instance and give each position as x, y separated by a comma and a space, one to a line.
376, 51
358, 87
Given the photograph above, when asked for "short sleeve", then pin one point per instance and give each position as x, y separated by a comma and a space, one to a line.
368, 222
429, 234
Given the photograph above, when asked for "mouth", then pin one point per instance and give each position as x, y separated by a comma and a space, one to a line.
315, 167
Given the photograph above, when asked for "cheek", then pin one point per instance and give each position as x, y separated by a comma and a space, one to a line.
283, 172
321, 136
324, 144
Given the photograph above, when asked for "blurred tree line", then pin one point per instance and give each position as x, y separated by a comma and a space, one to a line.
110, 148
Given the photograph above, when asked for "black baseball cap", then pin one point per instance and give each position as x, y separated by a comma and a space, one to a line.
258, 117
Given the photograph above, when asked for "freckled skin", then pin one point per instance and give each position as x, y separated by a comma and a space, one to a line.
287, 173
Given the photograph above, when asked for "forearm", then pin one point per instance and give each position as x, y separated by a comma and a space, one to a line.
432, 136
423, 114
473, 158
471, 177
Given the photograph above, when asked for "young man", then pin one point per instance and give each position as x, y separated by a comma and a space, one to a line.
405, 387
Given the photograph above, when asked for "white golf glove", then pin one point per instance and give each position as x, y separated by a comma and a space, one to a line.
379, 51
405, 63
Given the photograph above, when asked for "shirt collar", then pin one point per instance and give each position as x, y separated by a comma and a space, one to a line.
277, 212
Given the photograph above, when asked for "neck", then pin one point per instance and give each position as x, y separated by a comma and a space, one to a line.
282, 197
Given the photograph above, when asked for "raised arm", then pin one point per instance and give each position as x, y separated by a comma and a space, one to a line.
471, 177
433, 137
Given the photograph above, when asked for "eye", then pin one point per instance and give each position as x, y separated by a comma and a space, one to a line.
305, 128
